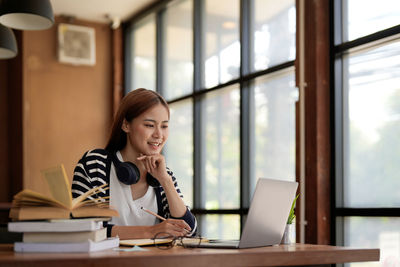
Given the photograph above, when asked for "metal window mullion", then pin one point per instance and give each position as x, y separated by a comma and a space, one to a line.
246, 26
339, 138
245, 148
337, 84
198, 163
197, 155
160, 44
249, 77
340, 12
198, 44
368, 212
246, 8
368, 40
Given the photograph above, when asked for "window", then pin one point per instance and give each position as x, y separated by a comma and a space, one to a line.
142, 48
274, 33
220, 226
364, 17
367, 74
274, 98
222, 49
220, 136
178, 47
226, 68
179, 148
372, 123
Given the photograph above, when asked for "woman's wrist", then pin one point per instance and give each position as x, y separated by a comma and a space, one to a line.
166, 181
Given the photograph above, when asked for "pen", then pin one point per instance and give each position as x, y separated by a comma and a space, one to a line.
154, 214
158, 216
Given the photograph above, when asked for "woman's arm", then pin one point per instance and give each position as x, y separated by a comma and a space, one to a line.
171, 226
188, 217
177, 207
81, 180
92, 164
155, 165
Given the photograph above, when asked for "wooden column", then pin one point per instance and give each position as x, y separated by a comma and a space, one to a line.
15, 119
118, 67
11, 155
317, 122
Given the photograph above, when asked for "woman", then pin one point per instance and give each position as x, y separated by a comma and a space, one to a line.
139, 133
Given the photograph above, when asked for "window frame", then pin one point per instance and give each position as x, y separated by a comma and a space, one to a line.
244, 82
338, 51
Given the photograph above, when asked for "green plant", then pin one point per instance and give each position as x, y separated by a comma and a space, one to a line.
291, 213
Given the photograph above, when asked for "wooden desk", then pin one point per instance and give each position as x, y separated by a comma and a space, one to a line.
283, 255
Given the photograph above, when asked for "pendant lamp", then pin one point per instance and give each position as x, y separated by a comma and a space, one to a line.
8, 43
26, 14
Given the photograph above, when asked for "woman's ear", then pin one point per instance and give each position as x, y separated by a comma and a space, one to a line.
125, 126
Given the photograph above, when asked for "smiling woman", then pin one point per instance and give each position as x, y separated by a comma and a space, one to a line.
136, 171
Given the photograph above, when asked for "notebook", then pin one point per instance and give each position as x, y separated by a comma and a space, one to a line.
266, 220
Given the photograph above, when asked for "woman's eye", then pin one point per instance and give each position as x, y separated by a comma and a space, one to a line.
148, 125
165, 126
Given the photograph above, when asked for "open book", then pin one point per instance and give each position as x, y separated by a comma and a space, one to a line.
30, 205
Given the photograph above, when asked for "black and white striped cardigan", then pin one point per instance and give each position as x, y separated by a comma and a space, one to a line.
93, 170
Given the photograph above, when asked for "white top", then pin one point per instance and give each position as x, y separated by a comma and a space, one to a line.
130, 212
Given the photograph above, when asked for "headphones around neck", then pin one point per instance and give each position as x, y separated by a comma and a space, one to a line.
128, 173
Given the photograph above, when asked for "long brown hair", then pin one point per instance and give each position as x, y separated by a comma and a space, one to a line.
132, 105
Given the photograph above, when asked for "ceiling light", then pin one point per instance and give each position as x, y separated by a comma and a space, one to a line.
26, 14
8, 43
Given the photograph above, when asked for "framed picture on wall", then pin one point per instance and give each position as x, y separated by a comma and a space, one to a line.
76, 45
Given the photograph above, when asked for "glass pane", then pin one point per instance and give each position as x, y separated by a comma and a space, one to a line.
371, 232
222, 47
274, 127
372, 127
365, 17
219, 226
179, 148
143, 55
178, 68
274, 33
220, 147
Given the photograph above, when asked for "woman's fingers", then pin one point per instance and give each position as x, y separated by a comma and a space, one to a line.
175, 227
147, 163
155, 165
153, 161
181, 224
148, 166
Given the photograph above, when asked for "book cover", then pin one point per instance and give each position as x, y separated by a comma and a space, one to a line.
30, 205
144, 242
65, 225
64, 237
87, 246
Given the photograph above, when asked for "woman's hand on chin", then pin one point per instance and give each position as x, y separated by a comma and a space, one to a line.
155, 165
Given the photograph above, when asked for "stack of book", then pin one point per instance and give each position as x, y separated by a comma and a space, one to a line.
70, 235
60, 223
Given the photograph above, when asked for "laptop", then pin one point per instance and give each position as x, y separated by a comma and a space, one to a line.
266, 220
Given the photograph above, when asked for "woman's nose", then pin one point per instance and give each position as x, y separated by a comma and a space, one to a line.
157, 132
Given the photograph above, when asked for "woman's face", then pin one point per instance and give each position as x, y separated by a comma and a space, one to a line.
148, 132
